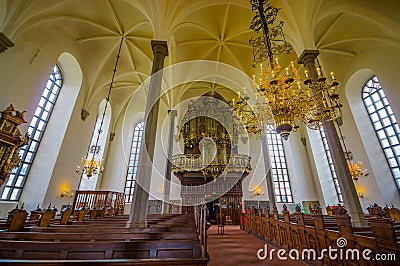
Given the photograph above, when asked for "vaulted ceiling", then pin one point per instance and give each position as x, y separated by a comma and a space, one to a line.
215, 30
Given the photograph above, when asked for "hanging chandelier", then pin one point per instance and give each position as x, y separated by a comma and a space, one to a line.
356, 169
254, 117
289, 101
91, 166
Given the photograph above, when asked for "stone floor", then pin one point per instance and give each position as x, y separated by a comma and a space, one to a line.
237, 247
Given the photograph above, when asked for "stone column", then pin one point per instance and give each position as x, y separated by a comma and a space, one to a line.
167, 182
268, 178
137, 218
345, 180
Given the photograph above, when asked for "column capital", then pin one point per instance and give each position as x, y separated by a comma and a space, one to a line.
5, 43
172, 113
307, 56
159, 46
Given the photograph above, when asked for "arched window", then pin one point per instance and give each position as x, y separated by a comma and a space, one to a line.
133, 161
279, 169
15, 183
330, 163
384, 123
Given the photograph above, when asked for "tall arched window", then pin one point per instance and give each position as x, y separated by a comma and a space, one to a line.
133, 161
384, 123
15, 183
330, 163
279, 169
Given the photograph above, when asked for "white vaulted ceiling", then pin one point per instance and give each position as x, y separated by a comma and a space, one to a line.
215, 30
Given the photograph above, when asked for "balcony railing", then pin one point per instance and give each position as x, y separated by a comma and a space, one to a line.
194, 163
89, 199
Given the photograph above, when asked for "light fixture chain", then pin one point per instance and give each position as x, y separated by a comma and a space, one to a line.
109, 93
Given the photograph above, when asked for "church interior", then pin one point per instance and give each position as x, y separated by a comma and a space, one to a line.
139, 131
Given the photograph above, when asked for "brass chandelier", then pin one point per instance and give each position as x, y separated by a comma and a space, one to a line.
356, 169
254, 117
289, 101
92, 166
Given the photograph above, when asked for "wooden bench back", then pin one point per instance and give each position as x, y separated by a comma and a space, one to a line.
99, 250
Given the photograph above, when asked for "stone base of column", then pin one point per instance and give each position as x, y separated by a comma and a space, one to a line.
136, 225
165, 208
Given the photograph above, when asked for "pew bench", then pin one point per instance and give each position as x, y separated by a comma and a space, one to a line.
126, 236
106, 230
25, 250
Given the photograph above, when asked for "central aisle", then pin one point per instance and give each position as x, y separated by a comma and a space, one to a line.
237, 247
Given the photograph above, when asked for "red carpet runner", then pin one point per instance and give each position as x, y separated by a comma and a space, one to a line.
237, 247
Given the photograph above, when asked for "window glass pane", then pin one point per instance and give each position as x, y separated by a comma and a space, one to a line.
23, 169
38, 111
52, 97
41, 102
14, 194
133, 161
37, 135
19, 181
48, 86
5, 193
48, 106
56, 89
45, 115
34, 121
10, 180
14, 185
41, 125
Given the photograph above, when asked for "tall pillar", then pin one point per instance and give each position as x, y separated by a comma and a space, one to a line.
345, 180
270, 182
167, 182
137, 218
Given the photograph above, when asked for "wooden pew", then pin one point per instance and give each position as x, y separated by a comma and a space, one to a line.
168, 240
24, 250
90, 236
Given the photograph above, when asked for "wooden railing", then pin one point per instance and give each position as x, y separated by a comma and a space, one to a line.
200, 217
303, 232
89, 199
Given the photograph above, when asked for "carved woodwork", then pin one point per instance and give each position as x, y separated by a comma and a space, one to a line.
65, 215
45, 218
154, 207
11, 141
16, 219
312, 234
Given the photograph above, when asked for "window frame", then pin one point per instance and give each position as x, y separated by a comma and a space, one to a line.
18, 176
330, 164
384, 124
133, 163
279, 169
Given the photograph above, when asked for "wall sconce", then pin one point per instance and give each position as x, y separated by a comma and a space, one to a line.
258, 191
66, 193
360, 194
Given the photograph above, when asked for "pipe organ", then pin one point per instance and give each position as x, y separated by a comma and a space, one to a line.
211, 170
